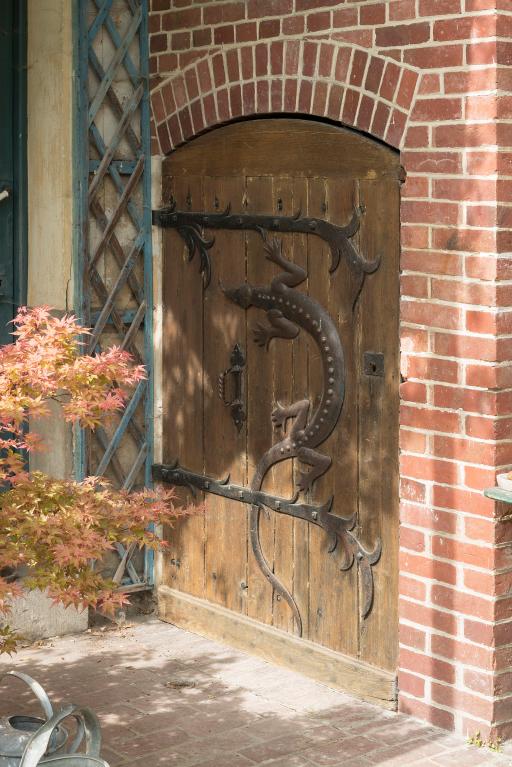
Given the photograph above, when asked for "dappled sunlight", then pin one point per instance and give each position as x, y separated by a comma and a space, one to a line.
176, 698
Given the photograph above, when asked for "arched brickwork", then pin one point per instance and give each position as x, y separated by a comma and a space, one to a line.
443, 115
314, 77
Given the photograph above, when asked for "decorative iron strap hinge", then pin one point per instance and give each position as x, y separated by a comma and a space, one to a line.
190, 225
339, 528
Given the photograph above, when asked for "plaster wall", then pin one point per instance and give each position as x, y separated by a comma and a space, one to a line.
49, 107
50, 187
50, 231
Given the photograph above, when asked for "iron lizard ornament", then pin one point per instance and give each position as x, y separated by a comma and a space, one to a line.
289, 311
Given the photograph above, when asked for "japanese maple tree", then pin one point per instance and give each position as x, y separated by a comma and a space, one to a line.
56, 528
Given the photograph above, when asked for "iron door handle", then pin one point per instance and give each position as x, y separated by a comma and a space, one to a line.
236, 371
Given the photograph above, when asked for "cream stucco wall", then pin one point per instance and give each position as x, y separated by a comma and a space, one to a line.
50, 235
50, 185
50, 166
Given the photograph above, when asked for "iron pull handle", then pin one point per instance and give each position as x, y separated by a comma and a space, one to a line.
236, 371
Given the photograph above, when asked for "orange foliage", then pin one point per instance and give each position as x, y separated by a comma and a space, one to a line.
57, 527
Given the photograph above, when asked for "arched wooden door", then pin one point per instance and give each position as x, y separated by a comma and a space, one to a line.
280, 373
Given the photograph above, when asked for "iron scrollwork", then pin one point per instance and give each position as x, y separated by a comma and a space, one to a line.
339, 528
190, 225
303, 428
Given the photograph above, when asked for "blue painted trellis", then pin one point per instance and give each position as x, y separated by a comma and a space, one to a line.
113, 283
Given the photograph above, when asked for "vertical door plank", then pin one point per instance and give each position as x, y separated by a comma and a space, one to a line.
323, 567
378, 418
224, 445
282, 474
333, 617
183, 393
343, 443
300, 390
260, 387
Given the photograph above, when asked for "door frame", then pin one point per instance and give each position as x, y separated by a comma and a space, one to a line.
204, 617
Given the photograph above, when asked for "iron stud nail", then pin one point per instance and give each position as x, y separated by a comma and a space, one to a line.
314, 514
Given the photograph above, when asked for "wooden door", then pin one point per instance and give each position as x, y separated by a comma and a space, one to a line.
280, 392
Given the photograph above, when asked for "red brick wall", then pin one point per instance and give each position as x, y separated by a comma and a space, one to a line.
424, 76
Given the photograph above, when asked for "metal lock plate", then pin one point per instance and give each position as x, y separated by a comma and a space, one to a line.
373, 364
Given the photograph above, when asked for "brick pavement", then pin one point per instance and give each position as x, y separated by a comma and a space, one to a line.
168, 697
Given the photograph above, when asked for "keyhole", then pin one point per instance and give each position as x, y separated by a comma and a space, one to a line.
373, 367
279, 204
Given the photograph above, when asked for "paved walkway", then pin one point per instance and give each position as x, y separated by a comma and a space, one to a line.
168, 697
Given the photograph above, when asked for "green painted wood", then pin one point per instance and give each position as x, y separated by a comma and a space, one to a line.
116, 38
130, 108
497, 494
6, 168
103, 11
12, 163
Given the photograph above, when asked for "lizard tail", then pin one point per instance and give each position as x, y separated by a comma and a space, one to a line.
263, 466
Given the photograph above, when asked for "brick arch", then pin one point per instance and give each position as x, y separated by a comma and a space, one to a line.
314, 77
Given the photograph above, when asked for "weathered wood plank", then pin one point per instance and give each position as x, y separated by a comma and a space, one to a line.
379, 418
183, 562
302, 148
260, 366
224, 326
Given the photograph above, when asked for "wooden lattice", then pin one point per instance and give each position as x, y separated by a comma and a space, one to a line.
114, 295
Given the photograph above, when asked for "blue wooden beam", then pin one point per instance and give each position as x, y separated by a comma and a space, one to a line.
90, 181
133, 72
128, 414
114, 66
99, 20
123, 167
